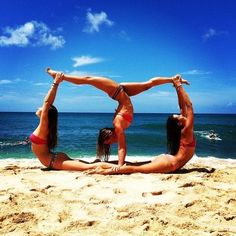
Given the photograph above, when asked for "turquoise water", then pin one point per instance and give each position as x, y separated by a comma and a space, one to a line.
146, 136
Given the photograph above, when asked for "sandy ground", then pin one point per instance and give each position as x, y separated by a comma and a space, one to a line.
198, 200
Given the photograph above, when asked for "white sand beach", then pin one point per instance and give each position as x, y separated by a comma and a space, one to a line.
199, 200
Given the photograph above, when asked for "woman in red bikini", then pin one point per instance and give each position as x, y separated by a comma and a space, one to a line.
124, 113
44, 137
180, 140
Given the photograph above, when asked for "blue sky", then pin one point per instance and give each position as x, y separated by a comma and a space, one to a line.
124, 40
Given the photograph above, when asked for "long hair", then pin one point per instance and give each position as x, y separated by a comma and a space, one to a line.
52, 127
173, 135
103, 150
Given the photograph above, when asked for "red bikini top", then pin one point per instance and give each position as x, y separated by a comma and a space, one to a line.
37, 140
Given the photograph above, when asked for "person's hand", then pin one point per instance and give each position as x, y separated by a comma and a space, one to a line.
58, 78
116, 168
178, 81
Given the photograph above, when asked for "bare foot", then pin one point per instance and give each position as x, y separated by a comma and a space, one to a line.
52, 72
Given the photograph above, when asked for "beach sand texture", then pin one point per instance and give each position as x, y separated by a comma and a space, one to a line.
200, 199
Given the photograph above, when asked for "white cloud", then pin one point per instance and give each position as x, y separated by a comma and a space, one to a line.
41, 84
210, 33
5, 81
161, 94
153, 95
31, 33
82, 73
86, 60
95, 20
123, 34
98, 74
195, 72
18, 80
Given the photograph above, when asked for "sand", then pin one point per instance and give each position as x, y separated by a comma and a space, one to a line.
198, 200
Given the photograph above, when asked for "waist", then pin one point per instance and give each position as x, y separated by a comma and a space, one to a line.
191, 144
128, 117
117, 92
37, 140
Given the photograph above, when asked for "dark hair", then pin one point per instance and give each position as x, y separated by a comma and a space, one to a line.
173, 135
103, 150
52, 126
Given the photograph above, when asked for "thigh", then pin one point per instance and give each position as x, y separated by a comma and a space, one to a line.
133, 89
163, 163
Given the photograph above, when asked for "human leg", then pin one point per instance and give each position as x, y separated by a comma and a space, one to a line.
107, 85
161, 164
133, 89
76, 165
130, 163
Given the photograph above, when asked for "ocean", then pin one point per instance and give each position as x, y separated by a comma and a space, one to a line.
146, 137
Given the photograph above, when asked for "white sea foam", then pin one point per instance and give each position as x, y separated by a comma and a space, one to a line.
208, 135
12, 144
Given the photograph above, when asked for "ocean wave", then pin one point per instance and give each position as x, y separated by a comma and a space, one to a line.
211, 135
13, 144
148, 126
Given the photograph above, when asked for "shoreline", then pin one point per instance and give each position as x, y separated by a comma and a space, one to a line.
197, 200
114, 157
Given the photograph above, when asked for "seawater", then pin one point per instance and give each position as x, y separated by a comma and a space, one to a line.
146, 137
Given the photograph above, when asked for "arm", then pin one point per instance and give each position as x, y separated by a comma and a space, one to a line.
49, 99
184, 103
177, 84
122, 149
189, 109
51, 95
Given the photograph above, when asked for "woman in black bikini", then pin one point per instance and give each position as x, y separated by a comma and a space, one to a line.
44, 137
124, 113
180, 140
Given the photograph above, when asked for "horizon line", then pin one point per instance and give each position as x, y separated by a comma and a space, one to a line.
94, 112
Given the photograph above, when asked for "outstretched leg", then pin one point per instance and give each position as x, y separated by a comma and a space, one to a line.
161, 164
107, 85
133, 89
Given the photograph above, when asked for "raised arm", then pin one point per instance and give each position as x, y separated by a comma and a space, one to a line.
177, 84
189, 110
184, 103
48, 101
51, 95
